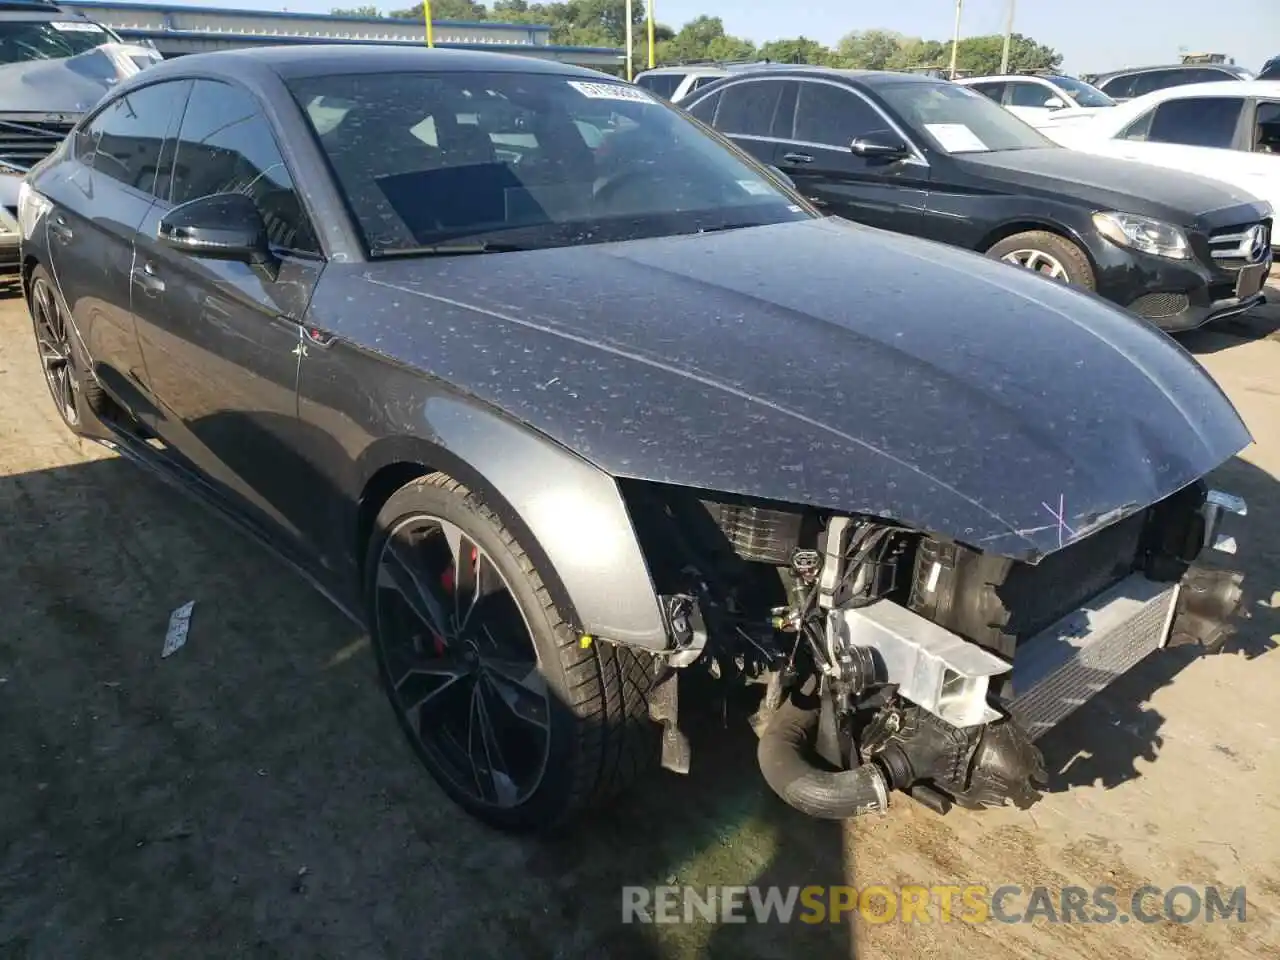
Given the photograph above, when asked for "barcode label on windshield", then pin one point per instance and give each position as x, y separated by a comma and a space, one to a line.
610, 91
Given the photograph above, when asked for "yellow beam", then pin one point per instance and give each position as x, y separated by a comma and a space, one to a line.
426, 16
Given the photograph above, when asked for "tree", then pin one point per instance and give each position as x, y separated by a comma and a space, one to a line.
869, 49
798, 50
446, 10
355, 12
982, 54
703, 38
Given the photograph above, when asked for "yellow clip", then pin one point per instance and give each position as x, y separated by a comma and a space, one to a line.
585, 641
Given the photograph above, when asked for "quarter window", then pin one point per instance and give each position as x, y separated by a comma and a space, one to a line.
1266, 131
226, 146
126, 140
828, 114
993, 91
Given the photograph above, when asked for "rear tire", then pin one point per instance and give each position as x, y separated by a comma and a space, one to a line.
1049, 255
78, 397
581, 707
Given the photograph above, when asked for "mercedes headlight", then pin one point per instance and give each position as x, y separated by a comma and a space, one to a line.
1142, 233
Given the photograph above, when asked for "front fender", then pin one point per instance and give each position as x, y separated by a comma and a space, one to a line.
566, 512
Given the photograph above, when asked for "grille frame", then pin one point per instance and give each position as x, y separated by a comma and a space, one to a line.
27, 138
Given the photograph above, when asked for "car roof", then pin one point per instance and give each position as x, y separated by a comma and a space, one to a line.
325, 59
1225, 67
1046, 77
1218, 88
869, 77
686, 69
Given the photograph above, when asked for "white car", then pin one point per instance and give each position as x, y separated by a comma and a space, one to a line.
676, 83
1043, 99
1229, 131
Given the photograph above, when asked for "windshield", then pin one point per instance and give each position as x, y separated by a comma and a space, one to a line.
48, 40
956, 119
528, 160
1084, 94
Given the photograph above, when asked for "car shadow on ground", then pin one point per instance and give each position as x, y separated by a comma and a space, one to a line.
1101, 744
1260, 323
250, 794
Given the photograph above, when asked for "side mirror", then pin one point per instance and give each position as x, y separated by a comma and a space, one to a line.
782, 175
224, 226
1055, 103
880, 145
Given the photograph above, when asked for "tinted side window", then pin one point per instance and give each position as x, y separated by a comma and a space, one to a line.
993, 90
126, 140
1266, 134
1029, 95
1120, 87
746, 109
830, 115
1197, 121
1139, 129
226, 146
663, 84
702, 81
1153, 80
705, 109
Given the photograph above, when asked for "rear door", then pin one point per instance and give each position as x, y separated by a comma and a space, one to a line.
223, 340
817, 155
102, 194
750, 112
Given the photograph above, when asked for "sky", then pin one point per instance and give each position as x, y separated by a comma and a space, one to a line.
1092, 35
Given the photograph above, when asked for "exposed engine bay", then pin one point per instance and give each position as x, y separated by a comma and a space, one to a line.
891, 659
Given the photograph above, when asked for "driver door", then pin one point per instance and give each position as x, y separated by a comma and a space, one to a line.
815, 152
223, 340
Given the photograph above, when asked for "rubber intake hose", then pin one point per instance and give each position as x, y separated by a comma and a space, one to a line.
825, 794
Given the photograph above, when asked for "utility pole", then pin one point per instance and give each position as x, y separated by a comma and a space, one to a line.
955, 38
1008, 36
631, 43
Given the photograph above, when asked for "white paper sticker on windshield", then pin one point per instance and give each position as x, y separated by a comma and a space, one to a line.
956, 137
75, 26
756, 188
610, 91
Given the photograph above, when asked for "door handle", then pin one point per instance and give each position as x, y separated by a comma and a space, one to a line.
797, 158
145, 277
58, 227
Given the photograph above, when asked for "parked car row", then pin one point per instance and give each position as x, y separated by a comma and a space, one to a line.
565, 397
939, 160
55, 64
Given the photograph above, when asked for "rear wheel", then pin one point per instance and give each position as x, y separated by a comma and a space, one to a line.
522, 722
76, 395
1047, 254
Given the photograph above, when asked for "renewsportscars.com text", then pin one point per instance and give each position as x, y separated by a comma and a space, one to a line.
1007, 903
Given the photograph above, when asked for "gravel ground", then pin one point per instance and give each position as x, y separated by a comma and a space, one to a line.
250, 797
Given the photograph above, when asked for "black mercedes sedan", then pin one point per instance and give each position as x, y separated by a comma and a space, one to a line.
565, 397
936, 160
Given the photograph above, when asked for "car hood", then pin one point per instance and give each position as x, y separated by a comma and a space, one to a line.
1108, 183
819, 363
71, 85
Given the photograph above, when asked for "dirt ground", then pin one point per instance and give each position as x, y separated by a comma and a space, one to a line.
250, 796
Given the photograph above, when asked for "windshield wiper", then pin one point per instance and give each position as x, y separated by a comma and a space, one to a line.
448, 249
729, 226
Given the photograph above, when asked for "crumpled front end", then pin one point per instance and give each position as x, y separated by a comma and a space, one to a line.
895, 659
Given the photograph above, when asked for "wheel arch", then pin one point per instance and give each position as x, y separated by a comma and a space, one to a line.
568, 515
1027, 224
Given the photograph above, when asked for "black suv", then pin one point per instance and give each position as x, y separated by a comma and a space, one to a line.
1137, 81
935, 159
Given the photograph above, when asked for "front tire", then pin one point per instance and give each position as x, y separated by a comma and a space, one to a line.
521, 722
1047, 254
76, 394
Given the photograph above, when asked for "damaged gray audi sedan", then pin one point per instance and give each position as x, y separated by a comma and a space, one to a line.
568, 399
